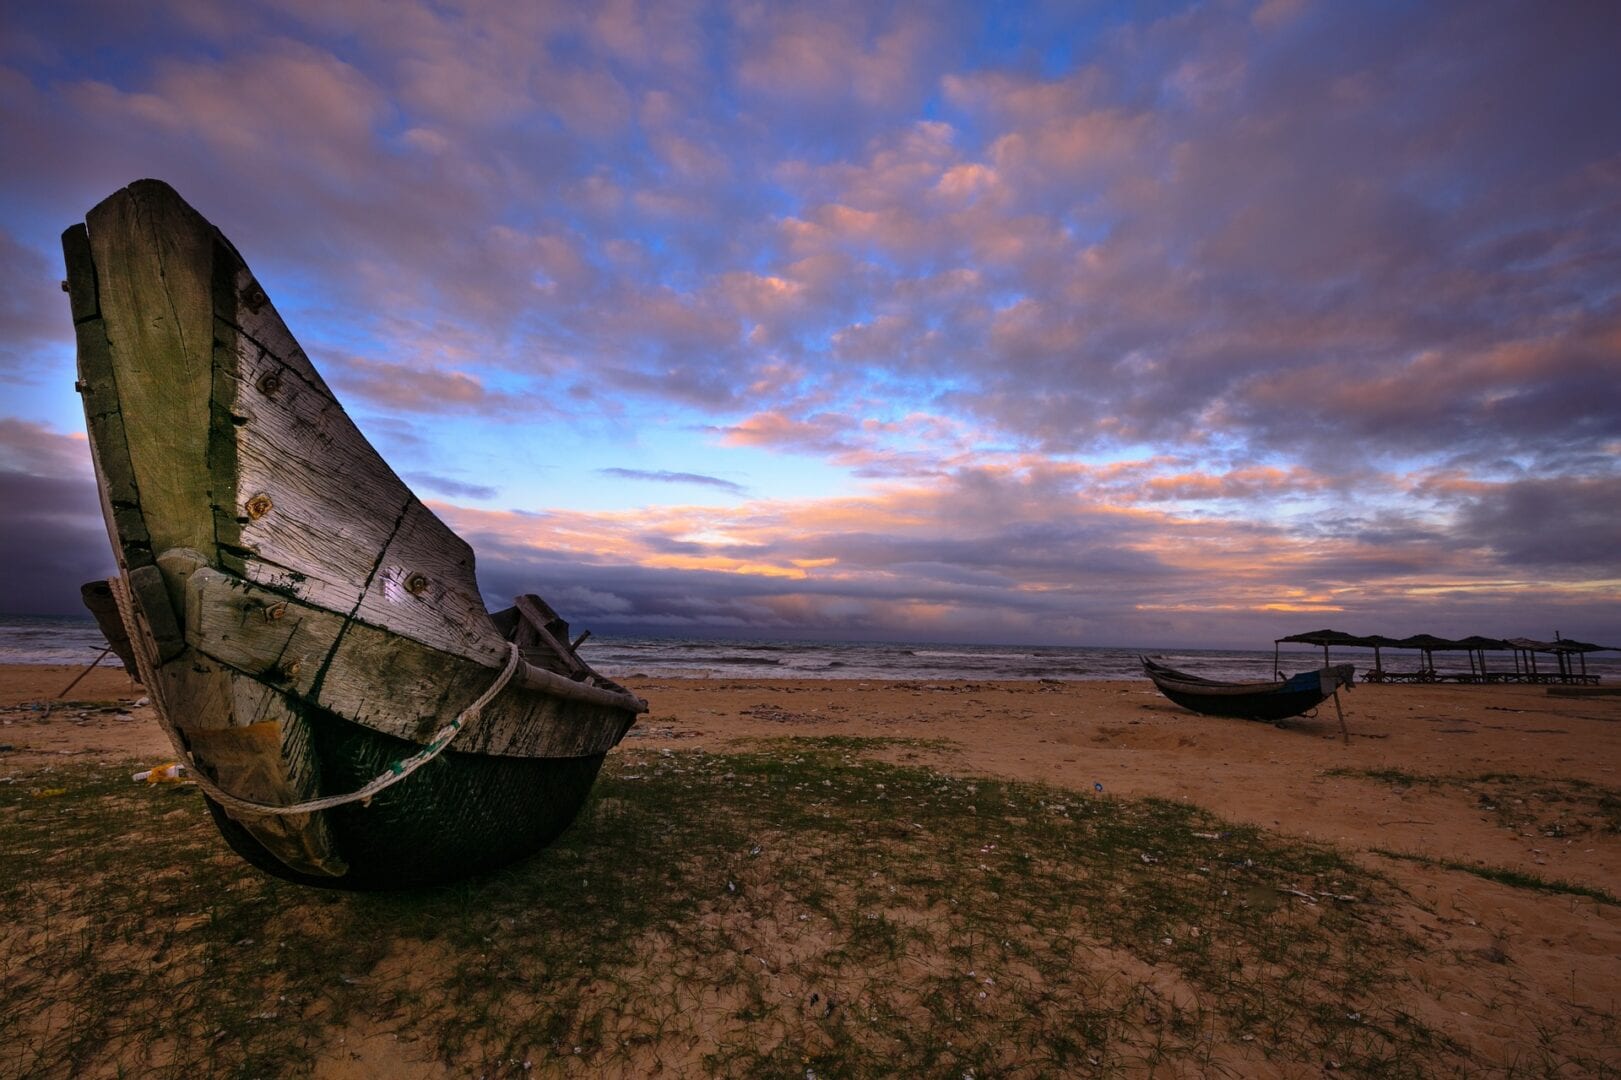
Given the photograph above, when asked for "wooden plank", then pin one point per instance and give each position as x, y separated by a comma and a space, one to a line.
153, 256
241, 733
115, 484
425, 589
339, 528
316, 505
224, 494
370, 668
99, 601
222, 718
544, 623
150, 595
109, 450
81, 279
507, 623
263, 634
257, 319
194, 691
266, 756
375, 678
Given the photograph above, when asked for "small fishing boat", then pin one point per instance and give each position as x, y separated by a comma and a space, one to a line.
1272, 701
312, 637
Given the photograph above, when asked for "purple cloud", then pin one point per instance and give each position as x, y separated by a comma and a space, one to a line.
664, 476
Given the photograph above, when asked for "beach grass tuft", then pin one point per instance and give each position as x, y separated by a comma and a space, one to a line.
1503, 875
1535, 805
799, 909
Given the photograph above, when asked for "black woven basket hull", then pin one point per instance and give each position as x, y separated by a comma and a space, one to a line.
461, 814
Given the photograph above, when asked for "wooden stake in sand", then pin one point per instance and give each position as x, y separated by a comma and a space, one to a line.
85, 672
1345, 734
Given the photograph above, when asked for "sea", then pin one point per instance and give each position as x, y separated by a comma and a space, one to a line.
45, 639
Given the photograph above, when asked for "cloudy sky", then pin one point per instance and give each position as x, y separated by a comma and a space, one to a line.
1096, 323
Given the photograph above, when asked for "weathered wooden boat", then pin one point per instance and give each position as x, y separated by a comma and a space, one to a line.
1272, 701
312, 637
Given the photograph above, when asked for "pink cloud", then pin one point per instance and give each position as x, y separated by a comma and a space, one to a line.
663, 34
1252, 483
34, 449
415, 388
1271, 14
1029, 536
28, 301
1022, 100
826, 53
286, 99
760, 297
824, 433
964, 182
1089, 147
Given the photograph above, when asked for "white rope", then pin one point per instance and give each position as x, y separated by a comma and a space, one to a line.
396, 772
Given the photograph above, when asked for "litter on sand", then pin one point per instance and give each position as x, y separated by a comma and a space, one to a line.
172, 773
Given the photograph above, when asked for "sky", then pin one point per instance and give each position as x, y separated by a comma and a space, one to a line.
1084, 323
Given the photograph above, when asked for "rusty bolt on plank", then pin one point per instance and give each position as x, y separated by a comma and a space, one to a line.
416, 584
259, 506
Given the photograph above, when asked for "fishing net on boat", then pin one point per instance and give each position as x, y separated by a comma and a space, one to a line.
460, 814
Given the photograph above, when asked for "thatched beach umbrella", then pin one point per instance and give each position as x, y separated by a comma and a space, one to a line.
1325, 638
1569, 649
1478, 646
1377, 642
1525, 654
1428, 644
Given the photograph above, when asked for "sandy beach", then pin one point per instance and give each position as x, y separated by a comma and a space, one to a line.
1508, 778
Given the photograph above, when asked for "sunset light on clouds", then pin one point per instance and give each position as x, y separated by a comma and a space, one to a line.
1096, 323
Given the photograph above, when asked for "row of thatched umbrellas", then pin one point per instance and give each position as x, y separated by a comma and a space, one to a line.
1570, 655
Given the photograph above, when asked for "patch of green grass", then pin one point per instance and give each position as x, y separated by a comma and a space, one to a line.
1395, 777
1519, 879
1553, 807
766, 913
851, 744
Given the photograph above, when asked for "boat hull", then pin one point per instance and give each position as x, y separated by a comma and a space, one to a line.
303, 623
1271, 702
464, 814
1270, 707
